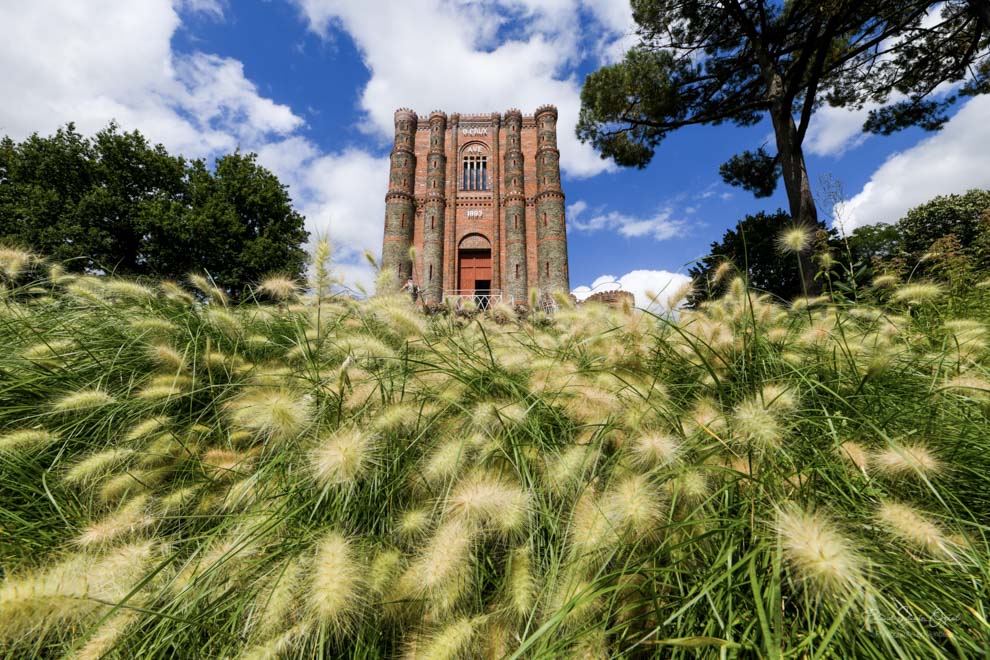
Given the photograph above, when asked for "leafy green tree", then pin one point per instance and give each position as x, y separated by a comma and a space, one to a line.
957, 215
752, 246
707, 63
115, 203
874, 248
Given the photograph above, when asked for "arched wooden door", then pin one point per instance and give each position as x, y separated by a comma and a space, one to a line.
474, 265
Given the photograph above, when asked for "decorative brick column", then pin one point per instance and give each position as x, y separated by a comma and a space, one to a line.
434, 210
400, 206
514, 210
551, 237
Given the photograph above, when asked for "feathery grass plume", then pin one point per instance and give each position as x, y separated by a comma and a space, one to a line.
414, 523
885, 281
90, 399
779, 398
286, 645
132, 482
574, 601
906, 460
167, 356
320, 279
96, 466
397, 418
913, 528
13, 262
520, 586
452, 641
722, 271
128, 289
225, 464
173, 503
147, 427
757, 426
174, 292
224, 321
102, 642
680, 295
165, 387
208, 288
706, 416
50, 351
279, 287
277, 603
25, 440
633, 507
274, 413
440, 575
489, 501
917, 294
971, 387
383, 572
447, 461
152, 325
689, 487
131, 519
342, 458
821, 559
70, 592
654, 450
336, 589
794, 240
802, 303
399, 314
855, 454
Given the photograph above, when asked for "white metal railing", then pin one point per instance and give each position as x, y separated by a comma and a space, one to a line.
482, 299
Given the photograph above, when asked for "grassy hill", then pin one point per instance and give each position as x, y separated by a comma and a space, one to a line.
323, 477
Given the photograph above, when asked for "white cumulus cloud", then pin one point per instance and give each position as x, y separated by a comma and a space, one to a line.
953, 160
661, 226
429, 54
652, 288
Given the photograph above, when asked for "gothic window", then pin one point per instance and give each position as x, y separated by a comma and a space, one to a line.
475, 173
546, 268
517, 271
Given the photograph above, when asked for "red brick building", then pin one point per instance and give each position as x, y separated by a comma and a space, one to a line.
479, 198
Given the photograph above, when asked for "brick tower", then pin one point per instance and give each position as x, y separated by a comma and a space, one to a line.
479, 198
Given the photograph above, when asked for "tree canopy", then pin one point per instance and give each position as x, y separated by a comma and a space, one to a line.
752, 246
115, 203
741, 61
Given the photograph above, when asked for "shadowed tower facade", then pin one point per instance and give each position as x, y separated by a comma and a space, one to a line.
479, 199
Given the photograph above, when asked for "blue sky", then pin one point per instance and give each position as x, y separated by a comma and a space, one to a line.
311, 86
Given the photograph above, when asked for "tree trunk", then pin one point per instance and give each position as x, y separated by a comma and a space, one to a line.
795, 174
981, 9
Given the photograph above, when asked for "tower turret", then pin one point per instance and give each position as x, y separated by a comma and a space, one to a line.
434, 210
400, 204
551, 237
514, 209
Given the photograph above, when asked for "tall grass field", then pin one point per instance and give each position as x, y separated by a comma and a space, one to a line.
303, 475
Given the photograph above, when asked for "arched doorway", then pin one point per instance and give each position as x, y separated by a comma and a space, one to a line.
474, 268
